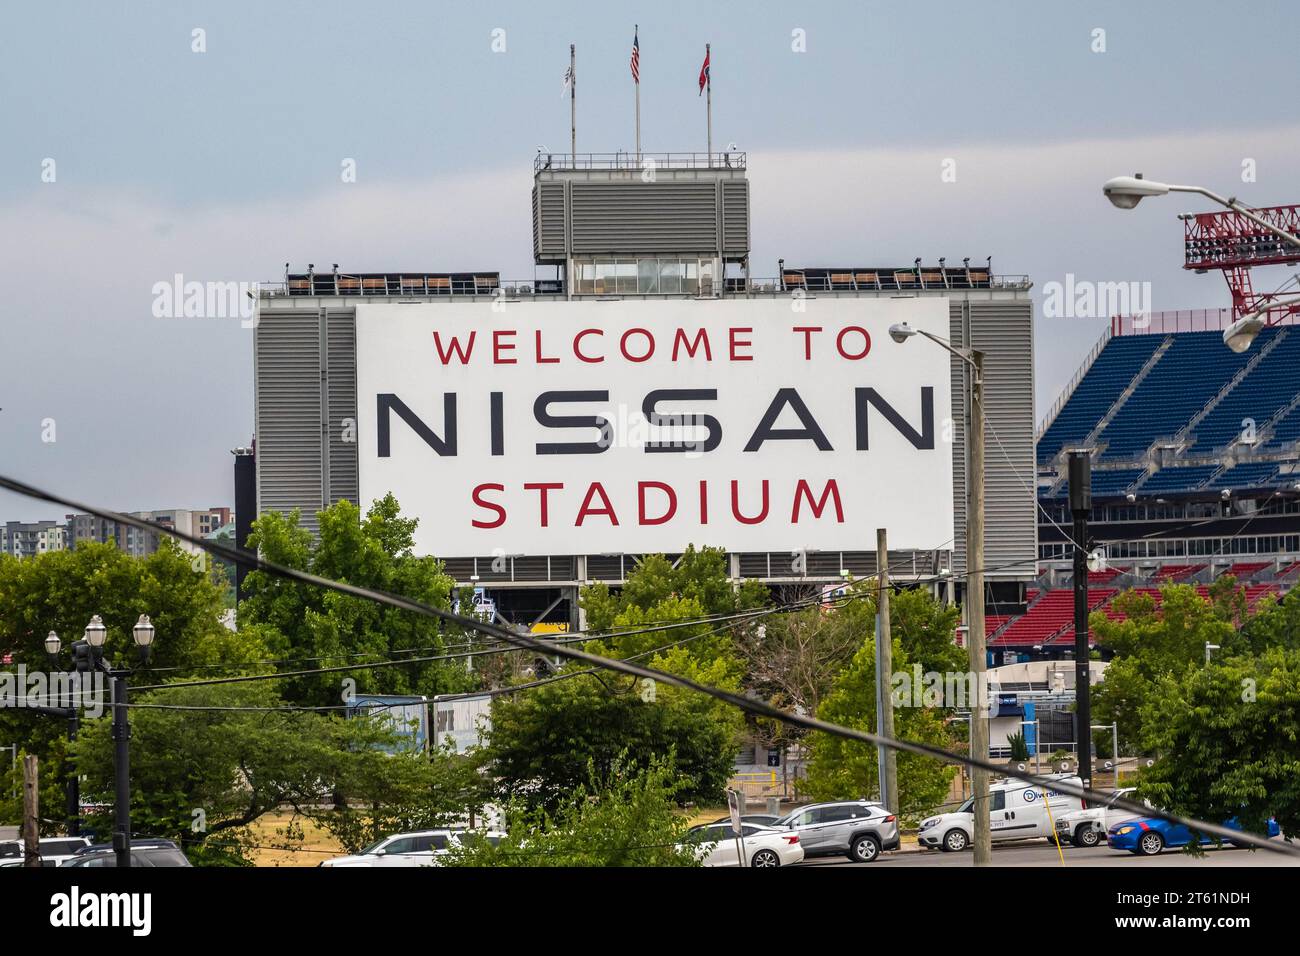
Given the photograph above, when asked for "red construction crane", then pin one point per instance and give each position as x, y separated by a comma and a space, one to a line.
1230, 242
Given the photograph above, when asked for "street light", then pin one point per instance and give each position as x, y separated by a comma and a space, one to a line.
95, 634
143, 632
1241, 334
1208, 648
975, 637
93, 659
53, 645
1126, 192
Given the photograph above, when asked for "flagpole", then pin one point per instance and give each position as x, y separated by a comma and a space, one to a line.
573, 105
708, 85
637, 33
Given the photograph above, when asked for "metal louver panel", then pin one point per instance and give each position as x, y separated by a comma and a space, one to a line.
735, 217
341, 405
636, 217
1000, 329
548, 221
287, 382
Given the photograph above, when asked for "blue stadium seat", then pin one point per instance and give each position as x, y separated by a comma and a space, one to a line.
1188, 375
1269, 388
1111, 372
1177, 479
1114, 483
1255, 474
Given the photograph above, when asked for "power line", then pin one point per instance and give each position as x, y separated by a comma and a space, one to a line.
756, 707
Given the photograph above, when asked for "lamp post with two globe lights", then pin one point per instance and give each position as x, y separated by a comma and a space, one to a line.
1125, 192
88, 656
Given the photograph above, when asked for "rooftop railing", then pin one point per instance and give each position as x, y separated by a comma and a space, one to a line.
544, 161
399, 285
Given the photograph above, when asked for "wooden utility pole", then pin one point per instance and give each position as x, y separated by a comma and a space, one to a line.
31, 812
887, 756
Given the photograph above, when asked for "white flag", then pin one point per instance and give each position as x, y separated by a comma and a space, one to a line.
568, 80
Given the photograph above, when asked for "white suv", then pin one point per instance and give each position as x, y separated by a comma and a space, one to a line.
53, 850
421, 848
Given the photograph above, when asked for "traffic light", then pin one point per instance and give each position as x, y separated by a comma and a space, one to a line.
83, 656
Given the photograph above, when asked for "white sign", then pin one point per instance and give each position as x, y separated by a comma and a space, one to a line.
644, 426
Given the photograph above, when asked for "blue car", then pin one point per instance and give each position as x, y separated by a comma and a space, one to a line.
1147, 836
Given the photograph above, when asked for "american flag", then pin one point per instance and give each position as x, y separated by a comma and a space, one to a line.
636, 58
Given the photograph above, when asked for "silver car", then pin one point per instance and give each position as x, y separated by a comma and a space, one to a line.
859, 829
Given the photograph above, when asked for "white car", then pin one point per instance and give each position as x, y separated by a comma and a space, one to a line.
1089, 827
53, 850
1017, 811
421, 848
763, 846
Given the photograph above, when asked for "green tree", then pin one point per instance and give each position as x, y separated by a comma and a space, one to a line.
1156, 642
202, 777
661, 592
546, 741
61, 590
625, 816
310, 625
1228, 740
841, 769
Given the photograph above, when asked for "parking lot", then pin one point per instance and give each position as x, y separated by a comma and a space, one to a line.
1045, 854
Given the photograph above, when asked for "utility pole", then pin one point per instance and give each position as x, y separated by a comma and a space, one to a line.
886, 756
1080, 506
979, 733
121, 771
31, 812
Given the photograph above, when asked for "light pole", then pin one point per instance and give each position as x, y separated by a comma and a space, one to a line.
1113, 727
976, 653
1208, 649
91, 657
1125, 192
53, 645
1080, 508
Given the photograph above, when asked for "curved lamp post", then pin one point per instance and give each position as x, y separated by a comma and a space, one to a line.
1125, 192
975, 637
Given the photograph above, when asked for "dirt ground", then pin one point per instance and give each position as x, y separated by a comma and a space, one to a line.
316, 845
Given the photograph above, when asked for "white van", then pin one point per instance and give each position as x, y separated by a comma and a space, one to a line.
1017, 811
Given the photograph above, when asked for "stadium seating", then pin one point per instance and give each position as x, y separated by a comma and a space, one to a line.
1178, 479
1188, 378
1111, 373
1256, 474
1268, 389
1245, 570
1176, 572
1193, 370
1047, 616
1113, 483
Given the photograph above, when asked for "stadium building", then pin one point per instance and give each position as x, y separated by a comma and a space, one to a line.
644, 256
1195, 455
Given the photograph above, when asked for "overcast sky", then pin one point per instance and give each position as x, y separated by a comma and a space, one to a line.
225, 164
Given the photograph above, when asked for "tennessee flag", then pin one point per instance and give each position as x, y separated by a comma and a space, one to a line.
704, 73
